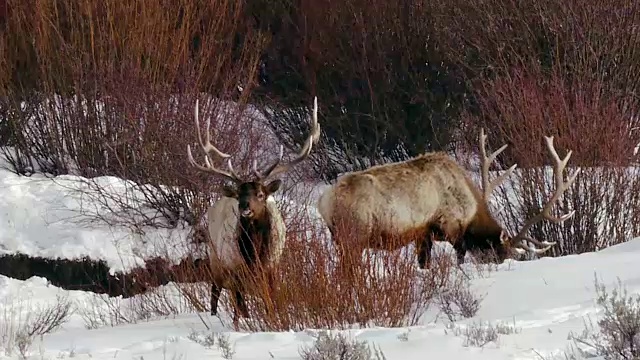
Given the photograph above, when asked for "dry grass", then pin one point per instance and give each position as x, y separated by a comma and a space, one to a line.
157, 302
479, 334
458, 299
21, 323
313, 289
337, 346
617, 334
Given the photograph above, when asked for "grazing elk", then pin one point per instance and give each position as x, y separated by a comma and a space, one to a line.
246, 230
392, 205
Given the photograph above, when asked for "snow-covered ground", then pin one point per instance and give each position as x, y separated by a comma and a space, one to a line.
544, 300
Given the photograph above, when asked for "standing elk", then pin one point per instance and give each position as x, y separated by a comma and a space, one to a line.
393, 205
246, 231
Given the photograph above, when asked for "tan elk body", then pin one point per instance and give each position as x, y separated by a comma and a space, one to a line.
224, 229
391, 205
247, 234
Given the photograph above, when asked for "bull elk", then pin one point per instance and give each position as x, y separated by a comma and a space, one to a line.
429, 196
246, 231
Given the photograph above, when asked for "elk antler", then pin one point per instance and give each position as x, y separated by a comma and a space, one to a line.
207, 147
561, 187
488, 186
265, 173
277, 168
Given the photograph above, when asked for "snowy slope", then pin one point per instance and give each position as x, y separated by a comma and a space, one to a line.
544, 299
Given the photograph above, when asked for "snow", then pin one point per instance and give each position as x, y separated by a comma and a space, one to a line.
545, 299
53, 218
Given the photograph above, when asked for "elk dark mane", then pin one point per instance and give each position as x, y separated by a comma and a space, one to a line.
255, 239
483, 232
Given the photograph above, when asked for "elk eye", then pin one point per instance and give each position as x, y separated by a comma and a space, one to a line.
260, 196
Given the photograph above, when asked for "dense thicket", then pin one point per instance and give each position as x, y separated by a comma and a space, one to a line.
562, 68
386, 91
576, 53
108, 88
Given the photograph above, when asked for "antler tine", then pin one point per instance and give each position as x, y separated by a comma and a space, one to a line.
231, 175
314, 134
208, 148
544, 245
561, 187
489, 186
268, 170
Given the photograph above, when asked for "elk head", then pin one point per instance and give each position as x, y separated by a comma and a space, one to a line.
251, 194
517, 244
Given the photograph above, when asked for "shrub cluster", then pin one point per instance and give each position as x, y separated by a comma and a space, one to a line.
560, 68
103, 88
617, 333
592, 118
312, 290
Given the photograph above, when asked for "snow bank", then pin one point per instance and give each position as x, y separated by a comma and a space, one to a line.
52, 218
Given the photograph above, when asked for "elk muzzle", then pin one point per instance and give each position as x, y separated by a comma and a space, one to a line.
244, 206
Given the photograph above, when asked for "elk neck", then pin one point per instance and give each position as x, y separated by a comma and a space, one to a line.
483, 224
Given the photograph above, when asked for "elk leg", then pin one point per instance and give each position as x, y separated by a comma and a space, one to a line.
340, 251
241, 304
346, 263
424, 252
461, 251
455, 234
332, 232
434, 233
215, 296
341, 256
344, 254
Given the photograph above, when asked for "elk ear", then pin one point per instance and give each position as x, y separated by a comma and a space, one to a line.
273, 186
229, 191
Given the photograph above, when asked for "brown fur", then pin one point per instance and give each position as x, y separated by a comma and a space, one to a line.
393, 205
